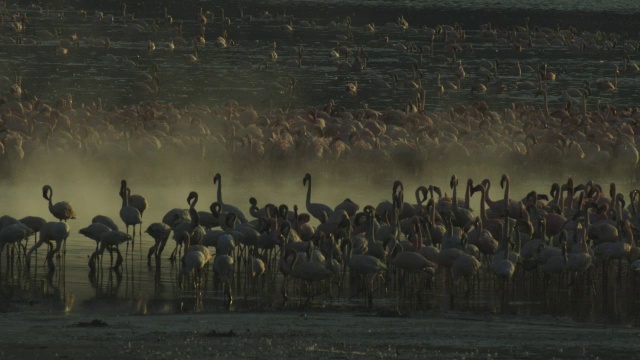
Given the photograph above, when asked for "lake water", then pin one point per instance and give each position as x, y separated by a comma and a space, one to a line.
90, 72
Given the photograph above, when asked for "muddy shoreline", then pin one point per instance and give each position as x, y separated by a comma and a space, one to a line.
312, 334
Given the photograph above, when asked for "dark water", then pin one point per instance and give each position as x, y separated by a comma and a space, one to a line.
90, 72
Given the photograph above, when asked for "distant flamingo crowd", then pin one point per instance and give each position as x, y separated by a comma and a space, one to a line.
580, 137
597, 144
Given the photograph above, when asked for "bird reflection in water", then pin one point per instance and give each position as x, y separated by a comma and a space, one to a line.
106, 288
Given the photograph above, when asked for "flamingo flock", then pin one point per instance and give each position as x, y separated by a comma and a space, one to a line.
390, 101
574, 238
406, 94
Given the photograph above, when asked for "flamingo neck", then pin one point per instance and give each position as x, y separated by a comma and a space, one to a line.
419, 235
125, 197
561, 200
467, 196
506, 192
454, 200
427, 235
485, 197
195, 217
253, 210
483, 206
369, 234
309, 192
506, 247
219, 191
49, 198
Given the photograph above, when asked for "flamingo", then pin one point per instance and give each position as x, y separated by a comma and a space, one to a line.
217, 179
138, 201
104, 220
13, 234
223, 267
352, 88
35, 223
160, 233
51, 231
193, 57
492, 225
608, 86
464, 267
462, 216
502, 266
556, 264
195, 232
129, 214
256, 212
195, 260
7, 220
317, 210
94, 231
410, 261
258, 267
309, 271
365, 265
580, 262
175, 216
61, 210
110, 240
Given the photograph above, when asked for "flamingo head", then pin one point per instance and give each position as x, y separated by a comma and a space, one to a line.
45, 192
437, 191
283, 210
478, 188
192, 196
397, 184
215, 208
504, 180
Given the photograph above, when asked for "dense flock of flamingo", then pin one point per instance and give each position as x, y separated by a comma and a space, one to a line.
451, 114
428, 72
575, 237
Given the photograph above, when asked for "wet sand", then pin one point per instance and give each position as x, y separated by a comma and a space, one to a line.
314, 335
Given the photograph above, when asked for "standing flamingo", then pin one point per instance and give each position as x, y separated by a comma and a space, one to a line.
502, 266
317, 210
110, 240
195, 231
129, 214
14, 234
366, 266
160, 233
35, 223
94, 231
61, 210
223, 267
138, 201
217, 179
51, 231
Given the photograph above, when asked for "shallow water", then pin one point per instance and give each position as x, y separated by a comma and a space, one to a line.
89, 71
